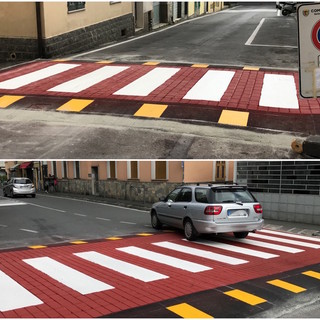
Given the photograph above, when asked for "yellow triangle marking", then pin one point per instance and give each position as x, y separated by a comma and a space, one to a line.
37, 247
75, 105
185, 310
78, 242
245, 297
151, 110
6, 101
234, 118
286, 286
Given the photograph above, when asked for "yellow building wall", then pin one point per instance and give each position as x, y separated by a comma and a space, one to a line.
18, 20
190, 8
198, 171
145, 171
57, 20
122, 173
175, 171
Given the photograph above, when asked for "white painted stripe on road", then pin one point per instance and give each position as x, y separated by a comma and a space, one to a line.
14, 296
225, 246
88, 80
255, 32
44, 207
34, 76
294, 242
28, 230
268, 245
165, 259
285, 234
3, 226
127, 222
9, 204
80, 214
104, 219
211, 87
122, 267
69, 277
200, 253
148, 83
279, 91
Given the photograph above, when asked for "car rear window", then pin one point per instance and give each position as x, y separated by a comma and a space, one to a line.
225, 195
22, 181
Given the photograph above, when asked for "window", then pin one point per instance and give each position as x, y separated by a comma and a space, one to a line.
185, 195
64, 169
133, 170
173, 195
201, 195
76, 6
220, 171
112, 170
53, 168
76, 171
161, 170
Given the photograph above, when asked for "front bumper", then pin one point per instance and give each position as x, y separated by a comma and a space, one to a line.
213, 227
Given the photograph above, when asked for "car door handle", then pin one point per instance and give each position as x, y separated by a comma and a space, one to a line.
185, 207
169, 205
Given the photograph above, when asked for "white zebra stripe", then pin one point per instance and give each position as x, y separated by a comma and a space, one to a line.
14, 296
294, 242
229, 247
143, 86
69, 277
290, 235
211, 87
18, 82
88, 80
200, 253
122, 267
165, 259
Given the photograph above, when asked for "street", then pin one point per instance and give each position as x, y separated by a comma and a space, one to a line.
73, 257
196, 89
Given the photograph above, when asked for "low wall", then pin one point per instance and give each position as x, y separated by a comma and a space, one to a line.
290, 207
146, 192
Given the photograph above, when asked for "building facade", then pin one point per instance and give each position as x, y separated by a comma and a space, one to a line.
31, 30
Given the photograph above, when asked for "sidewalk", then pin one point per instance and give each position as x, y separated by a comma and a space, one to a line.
291, 227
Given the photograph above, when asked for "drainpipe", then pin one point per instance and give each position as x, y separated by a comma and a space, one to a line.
39, 30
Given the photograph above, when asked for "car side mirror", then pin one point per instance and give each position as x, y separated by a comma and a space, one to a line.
162, 199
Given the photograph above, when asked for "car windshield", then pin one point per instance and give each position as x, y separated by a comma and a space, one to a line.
22, 181
231, 195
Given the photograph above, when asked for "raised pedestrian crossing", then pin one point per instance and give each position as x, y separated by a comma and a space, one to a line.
93, 272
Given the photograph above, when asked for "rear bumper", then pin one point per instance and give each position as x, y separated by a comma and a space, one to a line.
19, 191
213, 227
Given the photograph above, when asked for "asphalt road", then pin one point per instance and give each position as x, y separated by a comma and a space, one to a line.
232, 37
48, 219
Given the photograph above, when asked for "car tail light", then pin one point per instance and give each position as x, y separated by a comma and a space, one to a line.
212, 210
258, 208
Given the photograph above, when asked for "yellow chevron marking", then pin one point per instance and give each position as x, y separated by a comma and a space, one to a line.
312, 274
37, 247
151, 110
185, 310
249, 68
6, 101
75, 105
151, 63
200, 66
245, 297
78, 242
114, 238
234, 118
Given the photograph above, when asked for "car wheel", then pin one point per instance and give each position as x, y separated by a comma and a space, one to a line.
189, 230
240, 235
4, 194
155, 222
11, 194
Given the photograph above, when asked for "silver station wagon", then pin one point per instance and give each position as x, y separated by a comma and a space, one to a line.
199, 209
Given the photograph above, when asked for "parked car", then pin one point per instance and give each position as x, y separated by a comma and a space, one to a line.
199, 209
19, 186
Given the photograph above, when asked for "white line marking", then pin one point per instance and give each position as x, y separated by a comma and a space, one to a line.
80, 214
31, 77
273, 46
69, 277
28, 230
104, 219
249, 10
165, 259
279, 91
200, 253
224, 246
127, 222
48, 208
148, 83
122, 267
14, 296
255, 32
211, 86
88, 80
269, 245
290, 235
294, 242
3, 226
9, 204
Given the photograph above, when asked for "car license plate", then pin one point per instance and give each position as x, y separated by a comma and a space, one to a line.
237, 213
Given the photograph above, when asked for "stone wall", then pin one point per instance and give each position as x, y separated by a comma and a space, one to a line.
146, 192
72, 42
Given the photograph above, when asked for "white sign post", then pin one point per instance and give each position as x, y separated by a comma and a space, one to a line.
309, 49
